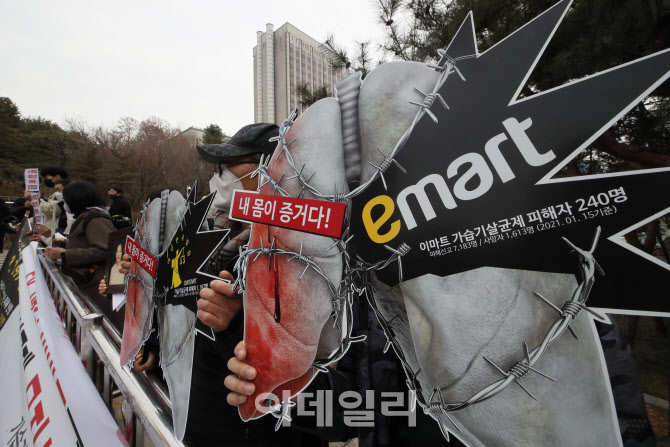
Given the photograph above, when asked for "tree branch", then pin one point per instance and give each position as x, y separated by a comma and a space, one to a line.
607, 143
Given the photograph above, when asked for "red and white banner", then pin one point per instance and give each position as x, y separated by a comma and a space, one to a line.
310, 216
141, 256
37, 212
48, 399
32, 179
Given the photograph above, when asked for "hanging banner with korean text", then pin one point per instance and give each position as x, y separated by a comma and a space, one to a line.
49, 399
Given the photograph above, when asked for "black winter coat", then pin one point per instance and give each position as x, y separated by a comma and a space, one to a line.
120, 207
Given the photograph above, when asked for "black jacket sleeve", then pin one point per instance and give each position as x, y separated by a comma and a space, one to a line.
4, 211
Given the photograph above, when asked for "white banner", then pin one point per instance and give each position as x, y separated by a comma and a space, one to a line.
49, 400
14, 420
32, 180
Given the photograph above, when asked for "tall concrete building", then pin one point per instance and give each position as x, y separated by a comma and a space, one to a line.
283, 60
193, 135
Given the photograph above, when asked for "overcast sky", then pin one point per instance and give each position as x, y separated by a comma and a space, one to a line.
189, 63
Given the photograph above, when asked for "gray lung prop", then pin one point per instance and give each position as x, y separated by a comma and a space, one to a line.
385, 109
445, 326
316, 148
138, 327
176, 333
491, 312
176, 324
311, 151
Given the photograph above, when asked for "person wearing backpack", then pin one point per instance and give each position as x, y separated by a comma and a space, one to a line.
84, 256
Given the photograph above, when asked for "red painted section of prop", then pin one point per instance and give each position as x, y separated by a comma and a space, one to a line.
134, 317
141, 256
138, 308
281, 351
287, 308
310, 216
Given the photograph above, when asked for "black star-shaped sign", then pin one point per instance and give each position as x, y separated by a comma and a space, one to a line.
179, 276
478, 188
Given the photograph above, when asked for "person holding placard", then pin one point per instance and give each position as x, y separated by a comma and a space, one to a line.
84, 256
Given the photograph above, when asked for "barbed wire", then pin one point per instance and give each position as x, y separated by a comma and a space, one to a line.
339, 294
446, 67
157, 297
241, 265
281, 410
392, 341
436, 405
352, 274
361, 270
357, 273
143, 240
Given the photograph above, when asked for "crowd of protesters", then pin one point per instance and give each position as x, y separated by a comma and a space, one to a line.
76, 234
75, 229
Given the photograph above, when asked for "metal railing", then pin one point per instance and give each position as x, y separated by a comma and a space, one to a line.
98, 343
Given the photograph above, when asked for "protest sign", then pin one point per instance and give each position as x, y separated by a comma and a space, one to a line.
310, 216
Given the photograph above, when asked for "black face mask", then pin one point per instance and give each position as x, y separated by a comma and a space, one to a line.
113, 196
48, 182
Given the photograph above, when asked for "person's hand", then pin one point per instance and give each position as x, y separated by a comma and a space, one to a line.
125, 264
36, 237
43, 230
240, 381
219, 303
141, 364
27, 195
53, 252
102, 287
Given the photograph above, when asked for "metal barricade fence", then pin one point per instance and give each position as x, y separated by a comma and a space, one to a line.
98, 343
